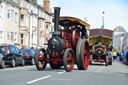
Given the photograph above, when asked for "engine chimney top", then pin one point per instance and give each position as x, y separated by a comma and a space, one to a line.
56, 18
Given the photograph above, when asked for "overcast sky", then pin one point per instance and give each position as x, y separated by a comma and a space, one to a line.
116, 11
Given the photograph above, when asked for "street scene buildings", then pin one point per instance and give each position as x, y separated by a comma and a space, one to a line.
120, 38
80, 42
24, 22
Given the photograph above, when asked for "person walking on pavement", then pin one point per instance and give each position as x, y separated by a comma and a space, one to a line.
126, 58
110, 50
118, 55
114, 54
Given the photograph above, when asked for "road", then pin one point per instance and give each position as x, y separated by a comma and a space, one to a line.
97, 74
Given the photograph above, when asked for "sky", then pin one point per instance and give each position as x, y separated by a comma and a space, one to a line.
116, 11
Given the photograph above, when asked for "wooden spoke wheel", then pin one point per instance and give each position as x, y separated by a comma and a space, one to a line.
68, 59
39, 56
84, 55
75, 36
78, 49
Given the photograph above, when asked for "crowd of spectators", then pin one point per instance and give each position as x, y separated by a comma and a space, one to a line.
120, 55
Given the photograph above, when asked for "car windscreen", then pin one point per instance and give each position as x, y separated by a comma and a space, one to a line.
3, 50
29, 51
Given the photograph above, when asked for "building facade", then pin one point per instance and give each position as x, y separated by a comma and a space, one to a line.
9, 28
24, 22
120, 39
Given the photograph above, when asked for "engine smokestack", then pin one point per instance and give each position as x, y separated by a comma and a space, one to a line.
56, 18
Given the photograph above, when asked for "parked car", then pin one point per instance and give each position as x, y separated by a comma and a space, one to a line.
28, 56
2, 63
12, 55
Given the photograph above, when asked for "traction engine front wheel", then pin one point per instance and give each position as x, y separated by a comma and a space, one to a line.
68, 59
39, 56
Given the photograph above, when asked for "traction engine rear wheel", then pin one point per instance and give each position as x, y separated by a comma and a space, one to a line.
78, 49
40, 63
84, 55
68, 59
75, 36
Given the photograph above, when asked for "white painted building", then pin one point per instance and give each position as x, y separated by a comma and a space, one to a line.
120, 38
1, 22
24, 22
9, 20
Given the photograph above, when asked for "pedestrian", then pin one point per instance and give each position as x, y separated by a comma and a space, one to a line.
110, 47
126, 58
32, 47
118, 56
114, 54
122, 57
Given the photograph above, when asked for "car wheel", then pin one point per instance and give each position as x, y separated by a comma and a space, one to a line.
32, 61
23, 63
13, 63
2, 65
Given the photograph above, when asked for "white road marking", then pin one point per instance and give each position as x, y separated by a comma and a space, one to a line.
33, 81
58, 79
61, 72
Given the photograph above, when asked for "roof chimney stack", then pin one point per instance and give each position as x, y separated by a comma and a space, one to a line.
46, 5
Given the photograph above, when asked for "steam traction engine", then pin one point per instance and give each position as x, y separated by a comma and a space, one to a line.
67, 46
99, 41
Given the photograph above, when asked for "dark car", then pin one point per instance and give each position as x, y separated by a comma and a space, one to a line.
28, 56
12, 55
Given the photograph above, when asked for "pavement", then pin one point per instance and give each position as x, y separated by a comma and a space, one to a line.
96, 74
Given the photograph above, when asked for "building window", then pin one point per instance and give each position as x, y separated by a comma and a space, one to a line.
22, 19
47, 31
10, 36
12, 15
15, 16
1, 33
14, 1
8, 14
41, 23
22, 38
0, 10
33, 20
